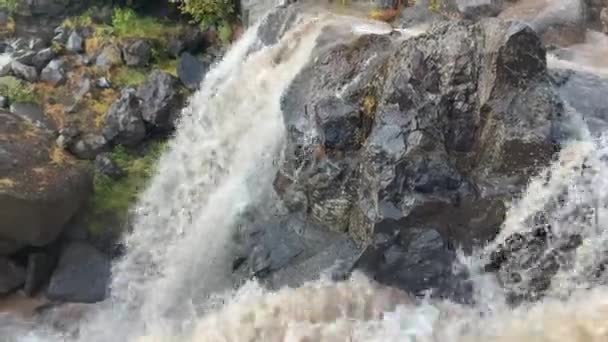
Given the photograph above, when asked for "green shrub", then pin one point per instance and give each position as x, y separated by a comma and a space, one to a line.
115, 197
16, 90
209, 12
125, 77
225, 32
128, 24
10, 5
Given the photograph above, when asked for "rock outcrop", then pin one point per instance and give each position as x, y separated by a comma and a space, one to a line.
41, 187
433, 133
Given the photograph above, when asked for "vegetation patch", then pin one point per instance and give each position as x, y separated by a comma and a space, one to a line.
128, 77
209, 12
11, 6
128, 24
17, 90
115, 197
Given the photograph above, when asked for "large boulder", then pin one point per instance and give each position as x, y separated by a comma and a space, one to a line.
161, 100
41, 187
11, 276
124, 123
42, 58
436, 131
81, 276
137, 53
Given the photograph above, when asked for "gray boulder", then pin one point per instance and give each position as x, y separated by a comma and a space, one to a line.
124, 123
161, 100
24, 57
81, 276
475, 9
75, 43
42, 189
11, 276
137, 53
54, 73
25, 72
191, 71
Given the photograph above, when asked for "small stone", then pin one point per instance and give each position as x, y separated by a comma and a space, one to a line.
75, 43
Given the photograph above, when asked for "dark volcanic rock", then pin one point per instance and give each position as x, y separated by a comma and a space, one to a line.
137, 53
161, 100
439, 130
39, 268
191, 40
81, 276
191, 71
11, 276
124, 123
42, 58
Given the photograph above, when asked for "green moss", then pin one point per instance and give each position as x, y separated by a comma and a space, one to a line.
17, 91
113, 198
125, 76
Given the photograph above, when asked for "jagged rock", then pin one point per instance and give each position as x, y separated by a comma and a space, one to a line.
191, 71
137, 53
89, 145
6, 69
160, 100
11, 276
54, 73
39, 268
438, 130
25, 72
124, 123
42, 58
61, 35
75, 43
81, 276
191, 40
106, 166
67, 136
108, 57
44, 187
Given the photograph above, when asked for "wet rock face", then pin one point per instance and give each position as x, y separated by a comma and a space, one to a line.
124, 124
161, 100
419, 130
435, 132
11, 276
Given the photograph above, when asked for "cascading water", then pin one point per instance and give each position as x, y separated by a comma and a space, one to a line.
221, 163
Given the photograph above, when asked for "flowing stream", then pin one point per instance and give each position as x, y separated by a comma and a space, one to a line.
174, 283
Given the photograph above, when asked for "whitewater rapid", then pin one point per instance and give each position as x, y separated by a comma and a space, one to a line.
175, 284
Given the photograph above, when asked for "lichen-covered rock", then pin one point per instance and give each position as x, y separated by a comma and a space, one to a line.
124, 122
42, 187
54, 72
75, 42
161, 100
88, 146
